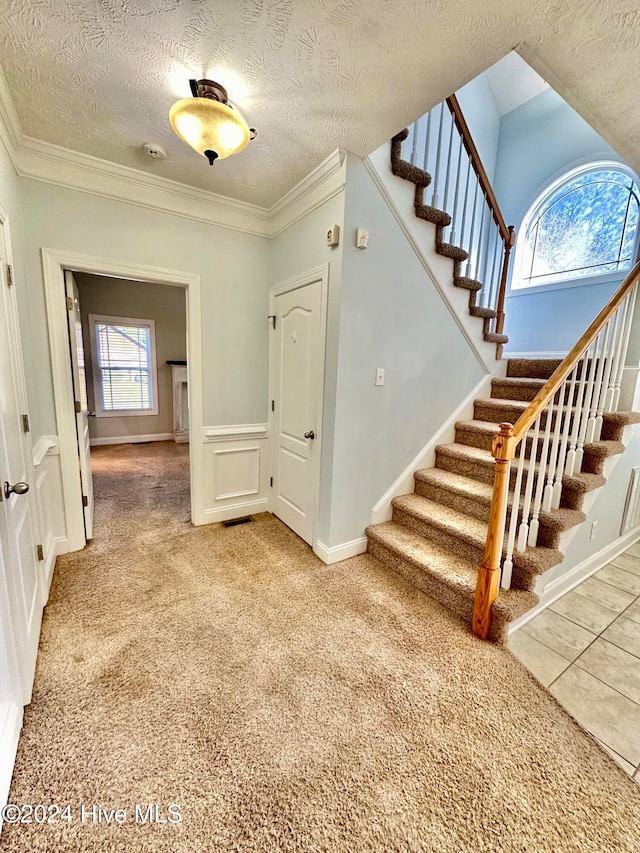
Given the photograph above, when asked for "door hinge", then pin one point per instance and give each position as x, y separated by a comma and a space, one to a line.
85, 500
271, 481
25, 423
272, 317
40, 551
10, 280
273, 405
69, 302
78, 407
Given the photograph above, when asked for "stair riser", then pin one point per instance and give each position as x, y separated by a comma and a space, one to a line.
548, 537
528, 369
457, 601
505, 391
435, 533
484, 472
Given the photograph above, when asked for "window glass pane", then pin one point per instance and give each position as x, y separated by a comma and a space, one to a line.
124, 359
585, 227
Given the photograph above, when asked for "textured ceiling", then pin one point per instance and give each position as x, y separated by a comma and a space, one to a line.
99, 76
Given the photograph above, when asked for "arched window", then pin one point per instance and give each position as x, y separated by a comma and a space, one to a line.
584, 225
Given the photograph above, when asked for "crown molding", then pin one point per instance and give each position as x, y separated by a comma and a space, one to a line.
53, 164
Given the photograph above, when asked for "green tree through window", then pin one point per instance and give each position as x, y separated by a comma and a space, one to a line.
584, 226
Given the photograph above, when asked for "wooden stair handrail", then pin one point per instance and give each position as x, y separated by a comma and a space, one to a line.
504, 449
478, 168
550, 387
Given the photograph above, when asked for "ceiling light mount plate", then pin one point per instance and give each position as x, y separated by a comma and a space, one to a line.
209, 123
209, 89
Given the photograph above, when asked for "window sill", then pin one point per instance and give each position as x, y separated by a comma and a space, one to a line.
570, 283
128, 413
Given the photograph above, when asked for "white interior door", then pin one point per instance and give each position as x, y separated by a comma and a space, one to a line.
80, 393
298, 367
24, 579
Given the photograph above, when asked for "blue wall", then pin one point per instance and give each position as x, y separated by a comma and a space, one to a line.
481, 114
538, 142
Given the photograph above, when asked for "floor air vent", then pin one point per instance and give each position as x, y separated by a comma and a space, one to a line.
234, 521
631, 517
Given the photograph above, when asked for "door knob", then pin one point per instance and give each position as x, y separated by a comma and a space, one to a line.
16, 489
311, 434
91, 414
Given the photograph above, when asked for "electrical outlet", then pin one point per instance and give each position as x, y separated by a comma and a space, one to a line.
594, 530
333, 236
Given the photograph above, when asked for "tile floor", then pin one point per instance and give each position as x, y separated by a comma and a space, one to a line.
585, 648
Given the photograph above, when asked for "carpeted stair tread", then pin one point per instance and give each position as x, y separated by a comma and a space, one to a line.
464, 527
446, 577
441, 219
520, 388
499, 410
613, 424
464, 491
533, 368
479, 311
432, 214
451, 251
495, 338
467, 283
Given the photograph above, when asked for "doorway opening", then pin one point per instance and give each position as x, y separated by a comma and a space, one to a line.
128, 349
115, 326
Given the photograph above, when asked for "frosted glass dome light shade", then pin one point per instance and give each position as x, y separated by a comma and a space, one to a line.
211, 128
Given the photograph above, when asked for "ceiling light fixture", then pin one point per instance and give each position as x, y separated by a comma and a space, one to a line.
208, 123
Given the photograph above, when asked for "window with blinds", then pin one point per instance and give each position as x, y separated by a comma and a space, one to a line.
124, 365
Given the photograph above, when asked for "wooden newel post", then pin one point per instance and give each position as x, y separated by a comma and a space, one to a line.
489, 571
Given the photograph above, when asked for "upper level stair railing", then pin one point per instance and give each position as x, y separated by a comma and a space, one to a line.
549, 440
440, 143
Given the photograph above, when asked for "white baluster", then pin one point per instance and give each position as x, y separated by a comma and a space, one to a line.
617, 360
583, 413
456, 193
495, 267
482, 236
507, 566
474, 217
597, 390
534, 524
487, 253
412, 141
581, 369
427, 142
445, 204
617, 323
464, 206
631, 299
547, 495
436, 175
560, 467
523, 530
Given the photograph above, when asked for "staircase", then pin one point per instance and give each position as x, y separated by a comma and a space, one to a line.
437, 535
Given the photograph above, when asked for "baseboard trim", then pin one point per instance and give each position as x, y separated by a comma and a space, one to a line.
59, 545
340, 552
576, 575
131, 439
404, 484
10, 726
209, 516
540, 354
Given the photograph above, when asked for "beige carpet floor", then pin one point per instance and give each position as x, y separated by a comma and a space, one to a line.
283, 704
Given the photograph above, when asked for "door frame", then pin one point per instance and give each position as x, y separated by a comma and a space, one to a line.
54, 262
320, 274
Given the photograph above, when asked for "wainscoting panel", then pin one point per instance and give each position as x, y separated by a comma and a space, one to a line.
237, 463
49, 499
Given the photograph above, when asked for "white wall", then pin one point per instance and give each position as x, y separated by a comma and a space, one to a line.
166, 306
391, 316
483, 119
540, 141
234, 283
